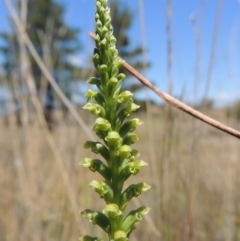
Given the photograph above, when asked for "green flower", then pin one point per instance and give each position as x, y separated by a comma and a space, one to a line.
120, 235
96, 165
121, 76
113, 138
134, 167
130, 139
99, 186
130, 126
134, 154
133, 190
103, 68
89, 238
131, 168
86, 162
133, 218
124, 151
102, 124
97, 147
95, 109
113, 81
125, 96
97, 218
90, 94
130, 108
112, 210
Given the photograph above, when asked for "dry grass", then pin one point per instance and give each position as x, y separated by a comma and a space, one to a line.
193, 170
194, 197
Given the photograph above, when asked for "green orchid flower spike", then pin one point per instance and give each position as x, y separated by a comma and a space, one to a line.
112, 106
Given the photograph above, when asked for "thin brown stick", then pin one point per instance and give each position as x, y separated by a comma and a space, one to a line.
49, 137
213, 49
40, 113
178, 104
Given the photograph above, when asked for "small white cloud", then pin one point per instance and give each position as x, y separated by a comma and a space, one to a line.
75, 60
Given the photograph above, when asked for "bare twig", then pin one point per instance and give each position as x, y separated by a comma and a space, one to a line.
178, 104
26, 42
213, 49
40, 114
169, 44
197, 28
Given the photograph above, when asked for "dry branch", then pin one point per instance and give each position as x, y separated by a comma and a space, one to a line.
178, 104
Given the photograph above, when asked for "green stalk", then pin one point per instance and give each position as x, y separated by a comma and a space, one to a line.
112, 106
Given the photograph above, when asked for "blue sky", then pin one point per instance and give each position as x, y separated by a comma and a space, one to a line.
225, 78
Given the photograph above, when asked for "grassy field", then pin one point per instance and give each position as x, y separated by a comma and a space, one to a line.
193, 169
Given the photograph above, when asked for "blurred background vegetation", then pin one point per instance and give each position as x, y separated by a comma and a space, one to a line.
193, 169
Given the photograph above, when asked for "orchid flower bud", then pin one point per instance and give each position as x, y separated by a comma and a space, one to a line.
103, 43
113, 40
133, 190
118, 89
130, 108
96, 165
95, 109
130, 139
126, 112
102, 124
121, 76
130, 126
113, 81
133, 218
97, 218
115, 71
97, 147
99, 6
111, 50
89, 238
135, 153
99, 187
105, 29
96, 17
103, 189
125, 96
90, 94
96, 59
102, 69
113, 138
94, 81
120, 235
99, 23
112, 210
131, 168
134, 167
125, 151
